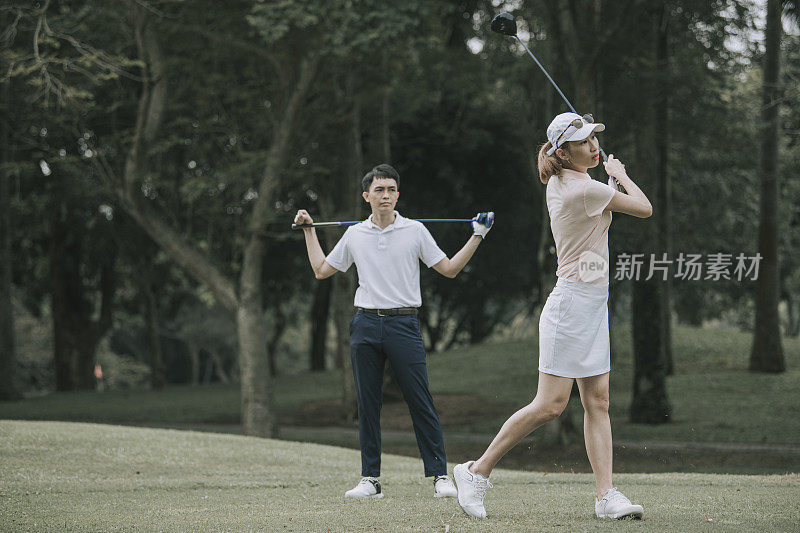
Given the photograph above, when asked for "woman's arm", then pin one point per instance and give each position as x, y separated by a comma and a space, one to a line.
635, 202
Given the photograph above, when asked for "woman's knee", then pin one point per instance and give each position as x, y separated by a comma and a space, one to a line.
548, 409
596, 402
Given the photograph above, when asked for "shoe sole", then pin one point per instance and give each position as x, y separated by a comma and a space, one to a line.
472, 516
634, 516
365, 497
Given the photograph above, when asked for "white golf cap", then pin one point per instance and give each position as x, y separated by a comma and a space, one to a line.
561, 129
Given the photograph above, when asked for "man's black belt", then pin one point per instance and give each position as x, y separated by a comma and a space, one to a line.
390, 312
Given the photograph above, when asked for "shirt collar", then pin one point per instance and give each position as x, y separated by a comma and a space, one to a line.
399, 221
574, 174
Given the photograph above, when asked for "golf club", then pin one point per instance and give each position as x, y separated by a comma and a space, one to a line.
506, 24
489, 217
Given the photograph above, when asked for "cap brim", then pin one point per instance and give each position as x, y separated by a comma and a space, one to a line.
585, 131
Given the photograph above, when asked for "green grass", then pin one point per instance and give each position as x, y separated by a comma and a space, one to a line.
84, 477
175, 404
714, 397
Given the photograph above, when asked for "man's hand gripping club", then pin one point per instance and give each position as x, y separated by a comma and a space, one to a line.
482, 223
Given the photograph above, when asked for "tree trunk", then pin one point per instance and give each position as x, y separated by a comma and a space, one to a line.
385, 116
344, 284
664, 190
544, 285
432, 329
544, 263
650, 404
75, 334
254, 368
8, 359
209, 371
222, 374
156, 357
766, 354
480, 323
275, 339
343, 296
320, 310
256, 387
194, 357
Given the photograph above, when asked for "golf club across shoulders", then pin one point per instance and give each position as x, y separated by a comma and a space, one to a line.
487, 216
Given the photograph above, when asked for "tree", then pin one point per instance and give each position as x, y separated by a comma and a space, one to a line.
76, 331
320, 308
790, 190
289, 32
8, 363
243, 298
766, 354
650, 403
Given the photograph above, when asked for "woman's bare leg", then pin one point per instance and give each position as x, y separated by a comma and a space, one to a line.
597, 429
551, 398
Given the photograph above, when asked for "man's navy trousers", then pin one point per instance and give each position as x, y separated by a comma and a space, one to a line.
373, 339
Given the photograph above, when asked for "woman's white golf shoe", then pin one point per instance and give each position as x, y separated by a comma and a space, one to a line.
471, 490
368, 487
614, 504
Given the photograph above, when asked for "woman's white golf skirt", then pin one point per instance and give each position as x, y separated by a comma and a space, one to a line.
573, 330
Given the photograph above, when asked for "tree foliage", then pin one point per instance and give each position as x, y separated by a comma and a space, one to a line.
169, 142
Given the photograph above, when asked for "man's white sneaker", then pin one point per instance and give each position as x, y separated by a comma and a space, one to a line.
368, 487
471, 490
444, 488
614, 504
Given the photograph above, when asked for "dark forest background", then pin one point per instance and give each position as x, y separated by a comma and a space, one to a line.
154, 154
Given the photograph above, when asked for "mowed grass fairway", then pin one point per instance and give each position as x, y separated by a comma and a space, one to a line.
85, 477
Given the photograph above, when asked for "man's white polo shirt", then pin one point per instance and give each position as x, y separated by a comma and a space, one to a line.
387, 261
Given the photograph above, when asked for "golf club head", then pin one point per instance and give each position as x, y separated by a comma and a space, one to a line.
504, 23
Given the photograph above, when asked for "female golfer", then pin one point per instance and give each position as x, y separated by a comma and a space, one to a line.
573, 328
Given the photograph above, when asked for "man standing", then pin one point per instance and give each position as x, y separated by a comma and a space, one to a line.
387, 248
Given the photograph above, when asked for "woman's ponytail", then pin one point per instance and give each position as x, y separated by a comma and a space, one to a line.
549, 165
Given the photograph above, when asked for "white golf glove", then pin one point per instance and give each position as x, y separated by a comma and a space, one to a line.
482, 223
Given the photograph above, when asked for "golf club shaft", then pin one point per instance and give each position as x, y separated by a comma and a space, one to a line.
571, 107
354, 222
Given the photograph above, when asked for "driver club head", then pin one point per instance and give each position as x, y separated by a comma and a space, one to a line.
504, 23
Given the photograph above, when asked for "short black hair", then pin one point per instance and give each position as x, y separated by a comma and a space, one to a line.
381, 171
